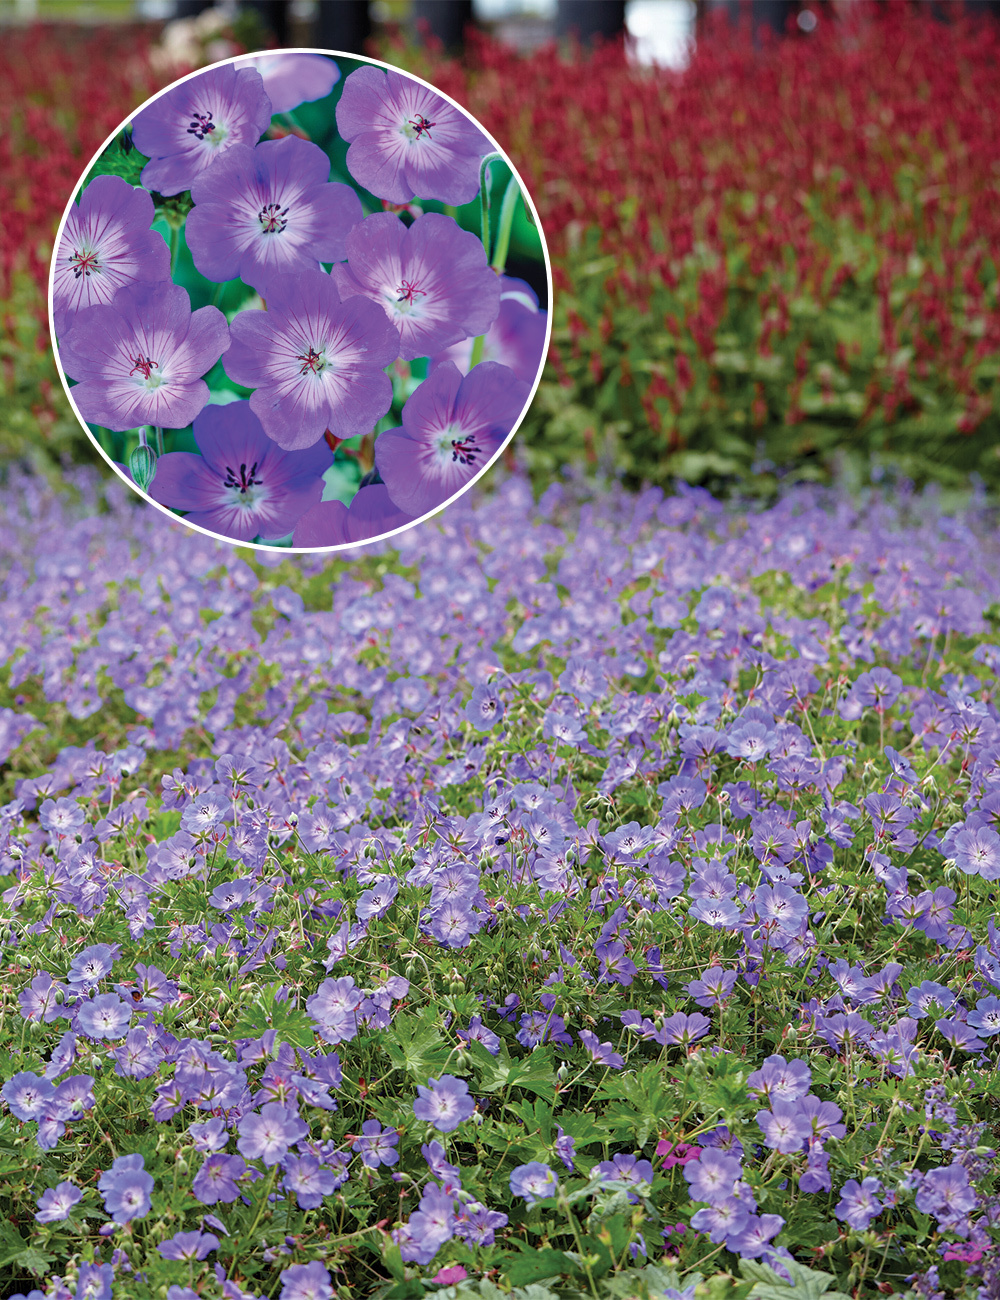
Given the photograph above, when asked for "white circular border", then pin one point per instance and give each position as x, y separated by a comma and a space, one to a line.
381, 537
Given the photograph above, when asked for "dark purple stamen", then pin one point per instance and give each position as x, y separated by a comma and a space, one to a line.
245, 480
464, 450
201, 125
272, 218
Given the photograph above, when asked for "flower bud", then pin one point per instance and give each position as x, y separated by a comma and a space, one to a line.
142, 465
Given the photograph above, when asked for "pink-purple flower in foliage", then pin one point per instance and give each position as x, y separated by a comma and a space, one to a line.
242, 485
452, 427
331, 523
188, 130
316, 363
293, 79
406, 141
269, 211
516, 338
106, 243
140, 358
432, 279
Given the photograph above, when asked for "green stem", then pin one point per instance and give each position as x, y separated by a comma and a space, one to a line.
159, 439
507, 209
484, 198
295, 124
477, 351
217, 293
175, 243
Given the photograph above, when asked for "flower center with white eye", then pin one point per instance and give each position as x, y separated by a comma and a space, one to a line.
84, 262
241, 492
203, 127
314, 361
272, 218
463, 450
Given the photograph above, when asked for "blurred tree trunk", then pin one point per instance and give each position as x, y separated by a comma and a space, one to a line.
273, 15
445, 20
342, 25
590, 19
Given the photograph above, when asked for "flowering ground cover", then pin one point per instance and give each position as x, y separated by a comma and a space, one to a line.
583, 898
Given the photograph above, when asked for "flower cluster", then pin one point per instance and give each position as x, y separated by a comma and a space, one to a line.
337, 319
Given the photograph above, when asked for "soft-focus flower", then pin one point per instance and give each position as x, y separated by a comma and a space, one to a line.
267, 212
452, 428
187, 131
291, 79
316, 362
126, 1187
533, 1181
242, 485
55, 1204
516, 339
445, 1103
331, 523
406, 141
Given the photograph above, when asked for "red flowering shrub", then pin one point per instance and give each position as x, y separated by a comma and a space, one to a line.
783, 255
62, 91
780, 253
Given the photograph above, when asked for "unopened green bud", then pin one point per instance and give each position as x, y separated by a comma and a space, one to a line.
142, 465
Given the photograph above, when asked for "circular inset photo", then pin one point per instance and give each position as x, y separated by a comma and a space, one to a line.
300, 299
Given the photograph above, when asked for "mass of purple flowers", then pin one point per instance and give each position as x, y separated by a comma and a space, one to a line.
240, 266
333, 960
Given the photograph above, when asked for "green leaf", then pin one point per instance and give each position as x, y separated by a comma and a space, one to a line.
536, 1265
115, 161
415, 1046
806, 1283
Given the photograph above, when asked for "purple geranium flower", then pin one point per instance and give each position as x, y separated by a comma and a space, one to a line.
516, 338
331, 523
306, 1282
188, 1245
859, 1203
533, 1181
103, 1016
216, 1179
432, 279
452, 427
243, 485
977, 852
316, 362
141, 357
261, 213
445, 1103
106, 244
268, 1135
406, 140
485, 709
55, 1204
293, 79
186, 131
377, 1146
126, 1187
